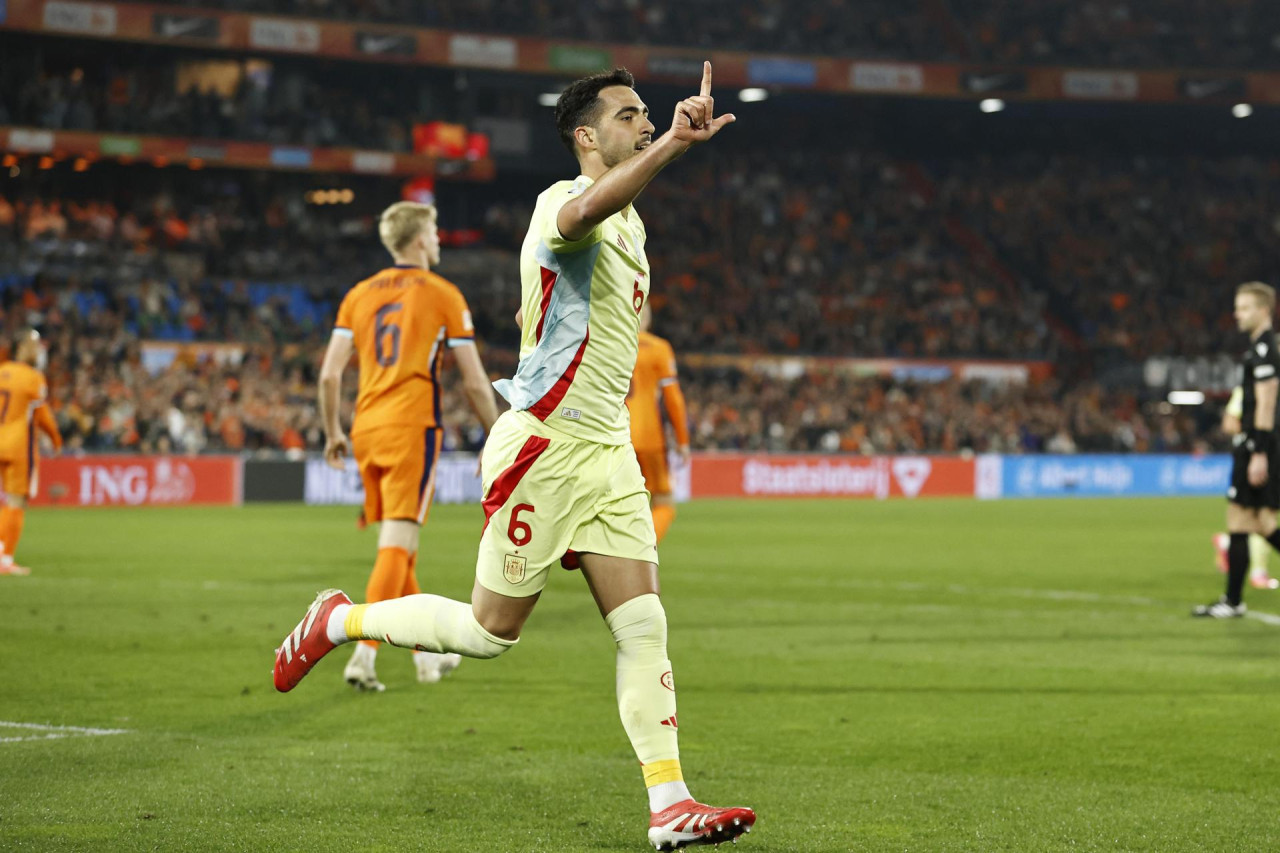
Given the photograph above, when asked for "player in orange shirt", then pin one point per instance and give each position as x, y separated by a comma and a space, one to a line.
397, 322
23, 410
655, 372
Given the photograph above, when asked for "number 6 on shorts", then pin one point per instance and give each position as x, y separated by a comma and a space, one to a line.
518, 531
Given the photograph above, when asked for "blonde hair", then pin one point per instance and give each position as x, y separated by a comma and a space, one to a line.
1264, 293
401, 223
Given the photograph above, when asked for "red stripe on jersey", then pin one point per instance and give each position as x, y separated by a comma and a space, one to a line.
506, 482
552, 398
548, 284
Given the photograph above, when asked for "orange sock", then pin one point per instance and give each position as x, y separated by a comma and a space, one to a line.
663, 515
6, 517
11, 528
388, 578
411, 580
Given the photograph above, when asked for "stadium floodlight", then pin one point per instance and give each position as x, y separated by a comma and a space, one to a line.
548, 99
1186, 398
1242, 110
991, 105
753, 95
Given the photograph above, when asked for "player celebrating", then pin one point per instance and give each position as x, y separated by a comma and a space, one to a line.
22, 411
559, 474
1254, 494
656, 372
397, 321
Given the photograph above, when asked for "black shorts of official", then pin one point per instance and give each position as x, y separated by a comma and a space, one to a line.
1241, 492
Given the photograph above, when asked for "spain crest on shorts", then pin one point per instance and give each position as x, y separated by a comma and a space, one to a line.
513, 568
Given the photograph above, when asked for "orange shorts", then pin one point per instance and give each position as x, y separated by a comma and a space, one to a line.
653, 465
398, 468
18, 461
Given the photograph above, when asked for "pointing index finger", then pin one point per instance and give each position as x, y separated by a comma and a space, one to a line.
706, 78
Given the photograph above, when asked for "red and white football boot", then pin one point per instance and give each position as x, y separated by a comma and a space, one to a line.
1220, 543
1263, 580
308, 642
689, 822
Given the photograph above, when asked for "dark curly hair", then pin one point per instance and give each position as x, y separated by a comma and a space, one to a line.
578, 105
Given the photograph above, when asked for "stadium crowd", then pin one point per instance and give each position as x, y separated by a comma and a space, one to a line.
828, 411
962, 258
1128, 33
150, 92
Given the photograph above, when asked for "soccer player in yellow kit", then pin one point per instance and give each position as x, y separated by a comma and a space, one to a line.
561, 480
654, 375
23, 410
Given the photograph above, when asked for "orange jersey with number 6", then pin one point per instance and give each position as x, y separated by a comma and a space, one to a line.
399, 321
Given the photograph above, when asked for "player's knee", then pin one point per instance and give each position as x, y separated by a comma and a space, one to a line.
489, 644
639, 625
399, 533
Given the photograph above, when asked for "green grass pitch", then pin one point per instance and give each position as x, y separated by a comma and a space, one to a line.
900, 676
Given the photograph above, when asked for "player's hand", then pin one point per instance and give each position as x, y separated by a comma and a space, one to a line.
336, 450
1258, 470
480, 462
520, 319
682, 455
695, 119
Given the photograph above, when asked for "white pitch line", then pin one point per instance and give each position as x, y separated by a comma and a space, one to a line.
55, 732
1268, 618
1009, 592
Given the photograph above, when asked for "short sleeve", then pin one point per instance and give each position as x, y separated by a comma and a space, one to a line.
1268, 361
667, 364
458, 327
346, 320
548, 214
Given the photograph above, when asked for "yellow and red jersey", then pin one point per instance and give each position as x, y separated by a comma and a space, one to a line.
655, 372
399, 319
581, 302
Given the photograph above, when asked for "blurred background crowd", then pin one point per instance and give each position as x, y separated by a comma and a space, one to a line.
882, 231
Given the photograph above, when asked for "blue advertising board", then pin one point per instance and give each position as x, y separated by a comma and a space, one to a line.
781, 72
1105, 475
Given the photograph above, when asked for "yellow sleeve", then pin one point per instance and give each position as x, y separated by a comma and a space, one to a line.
1235, 406
549, 229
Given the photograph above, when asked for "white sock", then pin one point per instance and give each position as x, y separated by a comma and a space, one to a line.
427, 622
666, 795
336, 629
365, 655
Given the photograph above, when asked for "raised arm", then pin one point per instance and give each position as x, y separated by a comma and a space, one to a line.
694, 122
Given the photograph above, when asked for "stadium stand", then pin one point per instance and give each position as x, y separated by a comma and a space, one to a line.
1125, 33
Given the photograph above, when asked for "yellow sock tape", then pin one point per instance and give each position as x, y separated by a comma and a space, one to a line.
354, 623
658, 772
